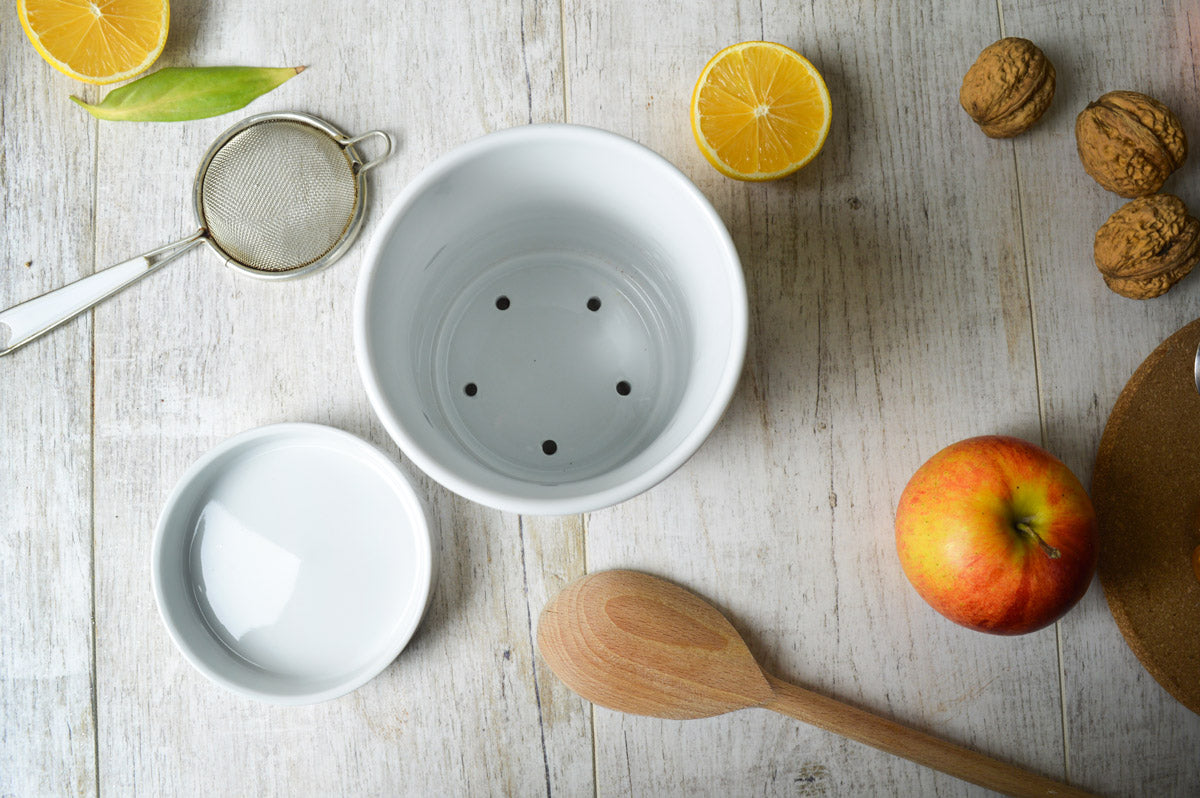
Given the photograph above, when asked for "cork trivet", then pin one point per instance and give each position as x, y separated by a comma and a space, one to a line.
1146, 489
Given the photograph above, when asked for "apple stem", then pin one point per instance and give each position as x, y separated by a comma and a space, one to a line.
1050, 551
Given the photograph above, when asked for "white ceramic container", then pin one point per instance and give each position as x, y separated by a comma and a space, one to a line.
292, 563
550, 319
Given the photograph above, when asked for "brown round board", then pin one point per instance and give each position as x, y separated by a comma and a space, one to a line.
1146, 489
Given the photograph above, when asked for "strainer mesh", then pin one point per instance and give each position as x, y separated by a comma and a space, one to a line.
278, 196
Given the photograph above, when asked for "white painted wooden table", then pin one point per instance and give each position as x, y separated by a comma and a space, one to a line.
917, 284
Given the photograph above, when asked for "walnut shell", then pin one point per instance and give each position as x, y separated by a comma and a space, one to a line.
1008, 88
1129, 143
1147, 246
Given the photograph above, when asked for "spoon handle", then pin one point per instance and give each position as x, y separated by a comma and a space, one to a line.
894, 738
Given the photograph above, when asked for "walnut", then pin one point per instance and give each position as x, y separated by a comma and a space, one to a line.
1129, 143
1008, 87
1147, 246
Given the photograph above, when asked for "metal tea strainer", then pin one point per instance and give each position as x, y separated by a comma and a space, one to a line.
276, 196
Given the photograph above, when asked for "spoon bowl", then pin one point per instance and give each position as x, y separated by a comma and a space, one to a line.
585, 636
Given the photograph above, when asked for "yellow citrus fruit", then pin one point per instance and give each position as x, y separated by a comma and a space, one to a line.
760, 111
98, 42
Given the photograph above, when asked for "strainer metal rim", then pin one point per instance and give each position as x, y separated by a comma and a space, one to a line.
356, 218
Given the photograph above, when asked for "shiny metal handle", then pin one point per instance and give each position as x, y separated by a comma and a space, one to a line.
371, 164
31, 319
1196, 368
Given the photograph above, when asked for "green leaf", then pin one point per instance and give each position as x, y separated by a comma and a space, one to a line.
175, 94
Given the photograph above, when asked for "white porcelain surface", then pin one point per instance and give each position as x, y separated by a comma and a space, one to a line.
292, 563
550, 319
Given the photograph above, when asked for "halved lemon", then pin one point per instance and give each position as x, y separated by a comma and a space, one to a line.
97, 42
760, 111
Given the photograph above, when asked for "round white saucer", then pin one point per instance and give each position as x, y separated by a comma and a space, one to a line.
292, 563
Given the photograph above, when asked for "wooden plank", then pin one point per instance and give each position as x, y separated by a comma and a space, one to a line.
889, 317
554, 557
198, 353
47, 728
1125, 734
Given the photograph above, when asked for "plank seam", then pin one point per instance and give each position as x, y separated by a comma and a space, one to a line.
1044, 433
583, 526
1062, 690
1037, 381
525, 65
537, 693
95, 680
562, 44
583, 517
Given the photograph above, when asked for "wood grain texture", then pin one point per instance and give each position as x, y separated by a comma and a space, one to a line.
554, 557
47, 162
915, 285
1125, 734
200, 352
898, 740
888, 318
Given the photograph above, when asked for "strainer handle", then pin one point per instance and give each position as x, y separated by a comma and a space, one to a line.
31, 319
371, 164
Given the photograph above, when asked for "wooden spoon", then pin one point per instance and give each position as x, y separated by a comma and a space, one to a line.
635, 643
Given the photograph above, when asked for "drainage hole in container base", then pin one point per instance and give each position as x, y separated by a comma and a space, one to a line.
624, 388
502, 302
593, 304
549, 447
470, 389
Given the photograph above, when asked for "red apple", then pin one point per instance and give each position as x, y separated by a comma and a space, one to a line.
997, 535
